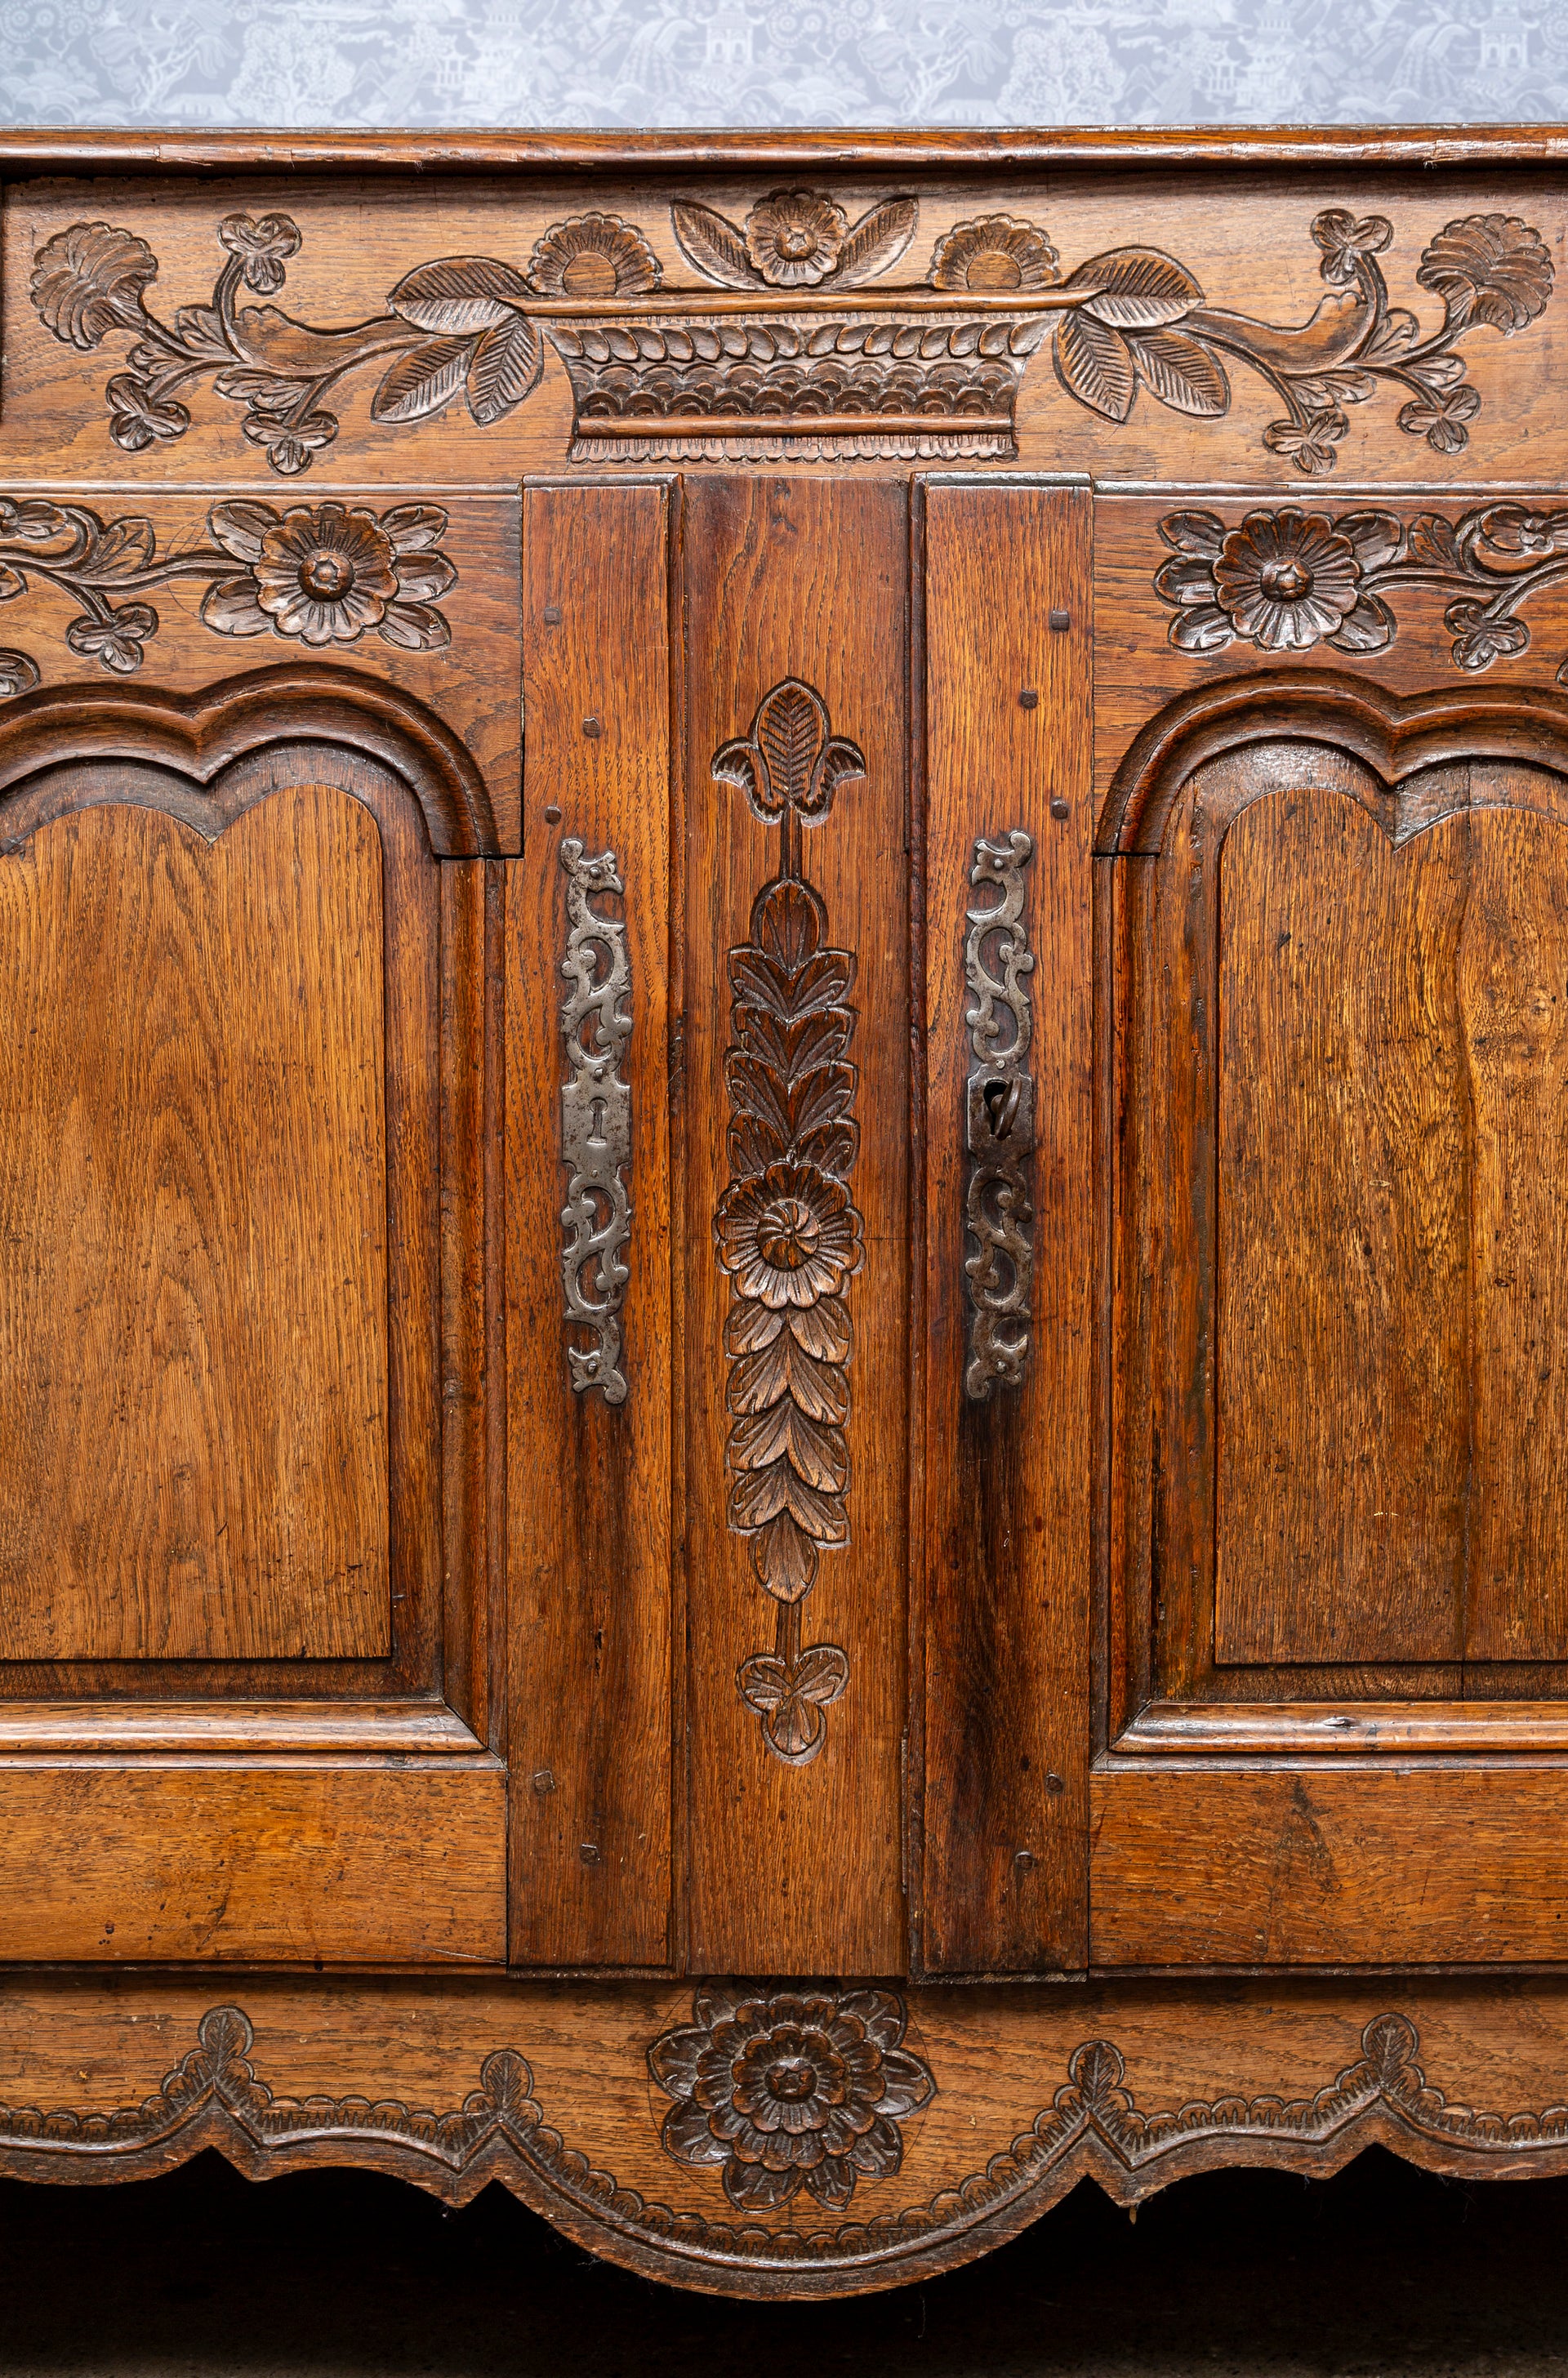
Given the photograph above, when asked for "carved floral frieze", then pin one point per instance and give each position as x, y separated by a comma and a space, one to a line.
1286, 580
321, 575
806, 349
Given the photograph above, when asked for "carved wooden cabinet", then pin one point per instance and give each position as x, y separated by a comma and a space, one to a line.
784, 968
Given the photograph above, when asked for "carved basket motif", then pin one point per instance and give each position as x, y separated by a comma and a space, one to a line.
808, 386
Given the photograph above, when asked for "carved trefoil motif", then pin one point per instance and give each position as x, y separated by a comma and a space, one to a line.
786, 1228
999, 1119
596, 1122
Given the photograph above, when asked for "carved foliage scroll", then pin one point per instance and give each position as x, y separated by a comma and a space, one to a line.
1287, 580
596, 1122
786, 1227
857, 370
999, 1119
317, 574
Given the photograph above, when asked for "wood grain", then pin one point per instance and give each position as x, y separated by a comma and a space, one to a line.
341, 1862
1512, 987
1342, 1248
1358, 1863
429, 1599
193, 1449
1006, 1480
799, 1869
590, 1536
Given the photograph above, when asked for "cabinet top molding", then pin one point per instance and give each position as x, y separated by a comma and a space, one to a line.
546, 153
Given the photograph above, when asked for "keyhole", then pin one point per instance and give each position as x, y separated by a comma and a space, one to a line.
1001, 1107
596, 1122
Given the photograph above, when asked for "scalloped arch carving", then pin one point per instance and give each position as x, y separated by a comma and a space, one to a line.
1395, 736
200, 737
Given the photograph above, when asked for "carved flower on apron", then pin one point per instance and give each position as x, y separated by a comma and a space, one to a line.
593, 256
798, 2089
994, 252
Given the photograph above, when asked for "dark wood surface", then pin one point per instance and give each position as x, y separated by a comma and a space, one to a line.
799, 1869
1006, 1480
591, 1571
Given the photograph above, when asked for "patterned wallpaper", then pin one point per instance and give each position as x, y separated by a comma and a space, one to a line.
378, 63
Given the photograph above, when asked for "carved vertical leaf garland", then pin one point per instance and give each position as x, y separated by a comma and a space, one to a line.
786, 1228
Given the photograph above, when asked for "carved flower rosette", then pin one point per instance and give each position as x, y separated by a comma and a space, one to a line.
792, 2090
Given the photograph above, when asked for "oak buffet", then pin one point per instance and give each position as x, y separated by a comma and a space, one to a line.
784, 955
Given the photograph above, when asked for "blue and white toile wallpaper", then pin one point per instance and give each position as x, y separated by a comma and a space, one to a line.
378, 63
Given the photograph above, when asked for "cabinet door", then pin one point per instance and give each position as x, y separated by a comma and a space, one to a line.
1340, 1485
798, 1597
243, 1671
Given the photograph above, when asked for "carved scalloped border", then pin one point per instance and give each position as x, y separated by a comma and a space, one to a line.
215, 2098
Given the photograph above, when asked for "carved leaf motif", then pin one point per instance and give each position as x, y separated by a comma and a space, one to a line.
1094, 364
713, 246
784, 1368
793, 1049
822, 981
1181, 372
421, 381
1096, 2069
755, 1144
1369, 627
820, 1099
1136, 288
785, 1560
755, 1089
11, 583
876, 241
415, 627
1433, 544
505, 367
791, 728
787, 925
458, 295
758, 1495
122, 549
823, 1331
749, 1326
1377, 536
834, 1147
815, 1452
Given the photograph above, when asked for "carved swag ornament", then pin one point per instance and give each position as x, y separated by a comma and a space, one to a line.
660, 374
842, 2045
786, 1228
